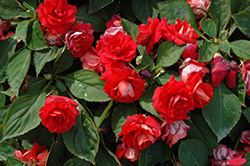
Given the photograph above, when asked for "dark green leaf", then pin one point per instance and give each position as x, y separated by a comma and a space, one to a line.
246, 112
8, 92
210, 138
241, 87
30, 4
239, 5
17, 68
44, 56
223, 35
146, 62
6, 150
225, 47
120, 114
144, 9
171, 10
23, 115
151, 155
3, 112
82, 139
193, 152
95, 5
76, 162
168, 54
127, 9
86, 84
209, 27
12, 162
238, 128
146, 102
166, 76
26, 144
56, 155
7, 50
97, 19
247, 157
32, 133
60, 85
106, 157
241, 48
63, 62
99, 119
242, 20
35, 85
226, 107
9, 9
220, 11
207, 51
2, 97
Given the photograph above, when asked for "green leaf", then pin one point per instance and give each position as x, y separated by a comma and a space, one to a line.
226, 107
9, 9
2, 97
44, 56
246, 112
35, 85
144, 9
7, 50
209, 27
120, 114
131, 28
193, 152
97, 19
17, 68
3, 112
6, 150
146, 101
241, 88
242, 20
30, 4
82, 139
63, 62
225, 47
223, 35
99, 119
210, 138
12, 161
56, 154
106, 157
86, 84
164, 78
152, 155
23, 115
207, 51
76, 162
239, 5
241, 48
147, 62
95, 5
220, 11
127, 10
247, 157
171, 10
238, 128
168, 54
60, 85
31, 34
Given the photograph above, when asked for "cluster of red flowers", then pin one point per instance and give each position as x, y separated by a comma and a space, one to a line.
155, 31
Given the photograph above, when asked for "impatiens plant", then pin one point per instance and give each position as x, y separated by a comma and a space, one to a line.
124, 82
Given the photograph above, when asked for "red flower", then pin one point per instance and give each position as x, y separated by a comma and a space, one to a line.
123, 84
90, 60
173, 100
226, 156
36, 156
79, 39
59, 113
191, 66
114, 22
202, 92
57, 15
200, 7
174, 131
118, 47
151, 33
190, 51
122, 150
246, 77
180, 33
221, 69
139, 131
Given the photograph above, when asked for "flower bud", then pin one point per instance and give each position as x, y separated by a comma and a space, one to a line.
200, 7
